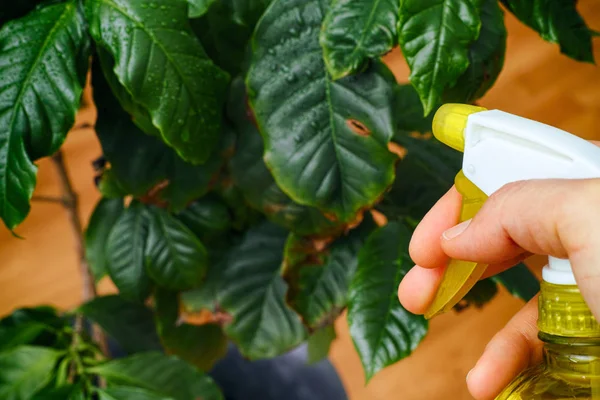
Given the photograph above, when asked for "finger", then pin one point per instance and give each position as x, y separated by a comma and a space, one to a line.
417, 290
425, 248
510, 351
554, 217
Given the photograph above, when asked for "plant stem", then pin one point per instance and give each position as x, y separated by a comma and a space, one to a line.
48, 199
70, 201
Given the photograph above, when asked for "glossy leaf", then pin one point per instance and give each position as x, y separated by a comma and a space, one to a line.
206, 217
43, 60
205, 296
167, 375
178, 84
319, 344
198, 8
519, 281
252, 176
24, 370
174, 257
486, 57
131, 324
355, 31
129, 393
319, 280
435, 36
557, 21
38, 326
139, 163
323, 139
263, 326
199, 345
106, 213
382, 330
125, 252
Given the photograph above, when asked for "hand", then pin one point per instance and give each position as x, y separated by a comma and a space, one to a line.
560, 218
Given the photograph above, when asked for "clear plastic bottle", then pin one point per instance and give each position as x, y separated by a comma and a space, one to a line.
571, 336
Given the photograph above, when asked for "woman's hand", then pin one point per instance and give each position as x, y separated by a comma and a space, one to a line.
560, 218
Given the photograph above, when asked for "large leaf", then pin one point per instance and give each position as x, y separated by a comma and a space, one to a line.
356, 30
25, 370
174, 256
106, 213
167, 375
323, 139
197, 8
318, 279
207, 218
200, 345
130, 324
125, 253
139, 162
129, 393
486, 57
262, 324
519, 281
435, 36
252, 176
43, 60
382, 330
319, 343
557, 21
174, 80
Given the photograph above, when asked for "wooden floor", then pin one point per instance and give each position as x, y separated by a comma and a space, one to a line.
536, 83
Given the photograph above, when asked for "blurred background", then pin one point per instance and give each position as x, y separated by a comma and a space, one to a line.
537, 82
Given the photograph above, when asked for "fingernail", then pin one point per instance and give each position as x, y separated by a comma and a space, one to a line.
469, 373
456, 230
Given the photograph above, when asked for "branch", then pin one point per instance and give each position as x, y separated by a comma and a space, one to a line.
70, 201
48, 199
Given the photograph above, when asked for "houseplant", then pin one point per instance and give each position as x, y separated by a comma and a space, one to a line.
260, 165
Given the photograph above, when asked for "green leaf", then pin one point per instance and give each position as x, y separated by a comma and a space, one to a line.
319, 344
43, 61
106, 213
129, 393
557, 21
130, 324
323, 139
167, 375
252, 176
38, 326
263, 326
199, 345
125, 253
519, 281
435, 36
486, 57
130, 153
179, 86
11, 337
382, 330
174, 256
198, 8
25, 370
248, 12
319, 280
206, 218
355, 31
205, 296
68, 392
411, 116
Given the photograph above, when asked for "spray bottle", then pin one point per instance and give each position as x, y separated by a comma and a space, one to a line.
501, 148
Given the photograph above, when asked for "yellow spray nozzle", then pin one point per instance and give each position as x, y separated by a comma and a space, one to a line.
450, 121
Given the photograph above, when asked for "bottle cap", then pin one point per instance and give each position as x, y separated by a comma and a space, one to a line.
559, 272
449, 124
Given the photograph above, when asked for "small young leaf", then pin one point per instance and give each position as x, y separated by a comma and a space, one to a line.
435, 36
319, 344
382, 330
174, 257
355, 31
486, 57
253, 293
158, 40
167, 375
129, 393
323, 139
106, 213
557, 21
24, 370
519, 281
125, 253
43, 62
198, 8
131, 324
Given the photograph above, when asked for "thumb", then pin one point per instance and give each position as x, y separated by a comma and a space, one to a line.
557, 217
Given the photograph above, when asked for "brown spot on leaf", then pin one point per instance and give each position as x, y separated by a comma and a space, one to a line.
358, 127
379, 218
398, 150
153, 195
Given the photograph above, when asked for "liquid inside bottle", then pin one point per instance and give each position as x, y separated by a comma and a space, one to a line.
571, 365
